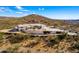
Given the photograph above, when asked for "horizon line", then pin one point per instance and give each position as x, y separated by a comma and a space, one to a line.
39, 15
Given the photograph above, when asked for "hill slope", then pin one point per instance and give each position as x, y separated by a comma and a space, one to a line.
25, 43
10, 22
41, 19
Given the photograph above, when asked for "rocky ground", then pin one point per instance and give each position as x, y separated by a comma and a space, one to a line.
30, 44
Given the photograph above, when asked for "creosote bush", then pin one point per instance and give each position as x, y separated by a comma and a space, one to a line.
16, 38
50, 41
13, 49
62, 36
76, 46
32, 43
1, 36
28, 51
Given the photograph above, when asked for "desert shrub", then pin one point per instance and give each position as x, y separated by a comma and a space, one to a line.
38, 50
76, 46
1, 36
32, 44
10, 50
13, 49
16, 38
60, 37
28, 51
76, 38
50, 41
45, 50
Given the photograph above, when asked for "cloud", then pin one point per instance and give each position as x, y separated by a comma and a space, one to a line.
33, 13
19, 12
41, 9
2, 9
19, 7
27, 10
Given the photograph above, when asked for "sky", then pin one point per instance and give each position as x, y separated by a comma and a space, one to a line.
54, 12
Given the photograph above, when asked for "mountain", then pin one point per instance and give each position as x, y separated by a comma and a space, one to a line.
72, 21
10, 22
33, 18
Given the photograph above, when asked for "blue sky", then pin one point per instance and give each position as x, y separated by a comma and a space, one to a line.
54, 12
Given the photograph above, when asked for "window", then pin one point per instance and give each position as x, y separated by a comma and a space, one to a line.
46, 32
58, 32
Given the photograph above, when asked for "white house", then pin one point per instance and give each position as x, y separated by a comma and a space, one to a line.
41, 29
29, 26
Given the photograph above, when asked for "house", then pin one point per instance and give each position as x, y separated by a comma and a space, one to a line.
38, 29
41, 29
31, 28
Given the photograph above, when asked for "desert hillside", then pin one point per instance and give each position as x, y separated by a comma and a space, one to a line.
17, 43
9, 22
